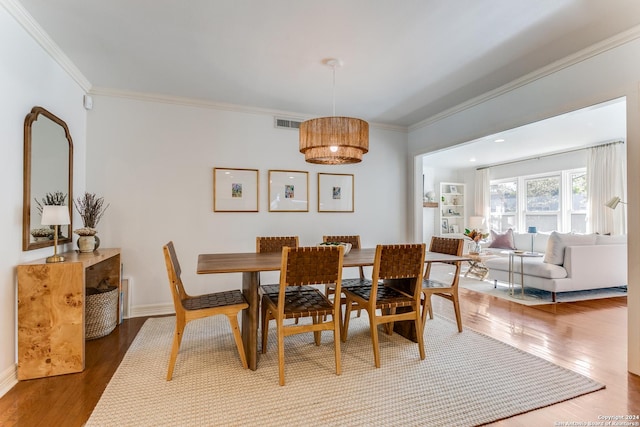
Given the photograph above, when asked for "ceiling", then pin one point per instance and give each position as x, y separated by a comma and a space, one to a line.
404, 61
594, 125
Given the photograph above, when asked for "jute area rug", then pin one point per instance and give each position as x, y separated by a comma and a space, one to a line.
467, 379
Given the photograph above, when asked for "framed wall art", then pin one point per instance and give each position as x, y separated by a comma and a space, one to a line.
235, 190
335, 192
288, 191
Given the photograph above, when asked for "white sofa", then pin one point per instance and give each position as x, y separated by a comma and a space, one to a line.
570, 263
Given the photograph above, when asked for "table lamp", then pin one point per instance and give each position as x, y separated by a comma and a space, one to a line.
476, 222
532, 231
56, 216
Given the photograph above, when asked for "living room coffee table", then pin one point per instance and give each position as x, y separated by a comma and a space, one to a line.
522, 255
476, 264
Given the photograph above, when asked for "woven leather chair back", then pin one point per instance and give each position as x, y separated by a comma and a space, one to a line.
174, 271
354, 240
275, 244
399, 261
355, 244
444, 245
311, 265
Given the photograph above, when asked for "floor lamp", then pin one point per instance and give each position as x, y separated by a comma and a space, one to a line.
613, 203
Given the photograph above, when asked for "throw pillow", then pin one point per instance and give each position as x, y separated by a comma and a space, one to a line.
502, 241
558, 241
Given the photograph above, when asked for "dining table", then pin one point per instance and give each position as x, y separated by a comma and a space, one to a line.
250, 264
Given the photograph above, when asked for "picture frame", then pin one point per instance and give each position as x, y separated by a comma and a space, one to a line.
445, 225
454, 229
336, 192
288, 191
235, 190
453, 189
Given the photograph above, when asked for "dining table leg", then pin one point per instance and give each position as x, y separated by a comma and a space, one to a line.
250, 317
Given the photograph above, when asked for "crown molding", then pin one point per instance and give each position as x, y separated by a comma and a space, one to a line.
589, 52
25, 19
201, 103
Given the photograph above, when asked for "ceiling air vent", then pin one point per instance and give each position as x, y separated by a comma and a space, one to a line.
287, 123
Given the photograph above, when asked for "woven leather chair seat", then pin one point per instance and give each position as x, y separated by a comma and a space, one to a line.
352, 283
220, 299
386, 297
274, 289
303, 304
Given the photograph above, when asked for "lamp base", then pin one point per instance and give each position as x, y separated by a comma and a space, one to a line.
55, 258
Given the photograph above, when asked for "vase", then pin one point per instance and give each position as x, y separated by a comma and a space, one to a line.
87, 243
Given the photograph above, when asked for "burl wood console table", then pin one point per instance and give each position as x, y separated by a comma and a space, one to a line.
51, 310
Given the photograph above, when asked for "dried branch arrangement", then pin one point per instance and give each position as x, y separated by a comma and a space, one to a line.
51, 199
91, 208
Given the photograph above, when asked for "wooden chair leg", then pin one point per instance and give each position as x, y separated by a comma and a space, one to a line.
265, 328
317, 335
374, 338
419, 334
426, 303
345, 325
280, 351
456, 307
336, 343
235, 328
175, 348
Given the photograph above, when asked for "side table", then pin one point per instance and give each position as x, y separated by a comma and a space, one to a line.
522, 256
476, 264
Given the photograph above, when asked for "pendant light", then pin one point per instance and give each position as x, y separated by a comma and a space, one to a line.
334, 140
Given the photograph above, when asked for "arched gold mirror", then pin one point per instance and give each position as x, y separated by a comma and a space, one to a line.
48, 176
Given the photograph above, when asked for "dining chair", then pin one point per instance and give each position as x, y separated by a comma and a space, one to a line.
361, 281
189, 307
444, 289
395, 284
275, 244
301, 267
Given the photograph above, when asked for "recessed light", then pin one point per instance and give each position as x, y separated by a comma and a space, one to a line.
473, 159
498, 140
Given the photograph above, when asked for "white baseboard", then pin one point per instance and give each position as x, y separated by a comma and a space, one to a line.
8, 379
151, 310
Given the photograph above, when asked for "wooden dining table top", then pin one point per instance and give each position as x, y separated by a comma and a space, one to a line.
271, 261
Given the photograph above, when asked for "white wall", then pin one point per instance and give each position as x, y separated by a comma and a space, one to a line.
28, 77
609, 74
153, 162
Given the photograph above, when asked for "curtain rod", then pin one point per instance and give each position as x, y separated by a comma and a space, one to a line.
548, 155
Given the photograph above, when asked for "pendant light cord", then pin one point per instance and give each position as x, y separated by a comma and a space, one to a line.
334, 89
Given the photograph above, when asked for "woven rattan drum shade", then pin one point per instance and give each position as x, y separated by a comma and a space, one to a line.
334, 140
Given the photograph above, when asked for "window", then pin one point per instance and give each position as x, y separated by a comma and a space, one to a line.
542, 203
578, 205
553, 201
504, 204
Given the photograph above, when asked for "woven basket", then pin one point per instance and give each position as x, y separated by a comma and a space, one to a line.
101, 311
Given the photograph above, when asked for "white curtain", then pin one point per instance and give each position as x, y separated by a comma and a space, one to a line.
482, 195
606, 178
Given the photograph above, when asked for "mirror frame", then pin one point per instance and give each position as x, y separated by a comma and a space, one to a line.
27, 244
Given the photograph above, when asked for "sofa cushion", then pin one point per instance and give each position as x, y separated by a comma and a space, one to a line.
522, 241
502, 241
532, 266
617, 239
558, 241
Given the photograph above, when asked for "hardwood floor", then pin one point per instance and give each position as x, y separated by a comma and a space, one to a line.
588, 337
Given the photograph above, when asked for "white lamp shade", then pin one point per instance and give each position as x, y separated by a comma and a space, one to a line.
613, 203
476, 222
55, 215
